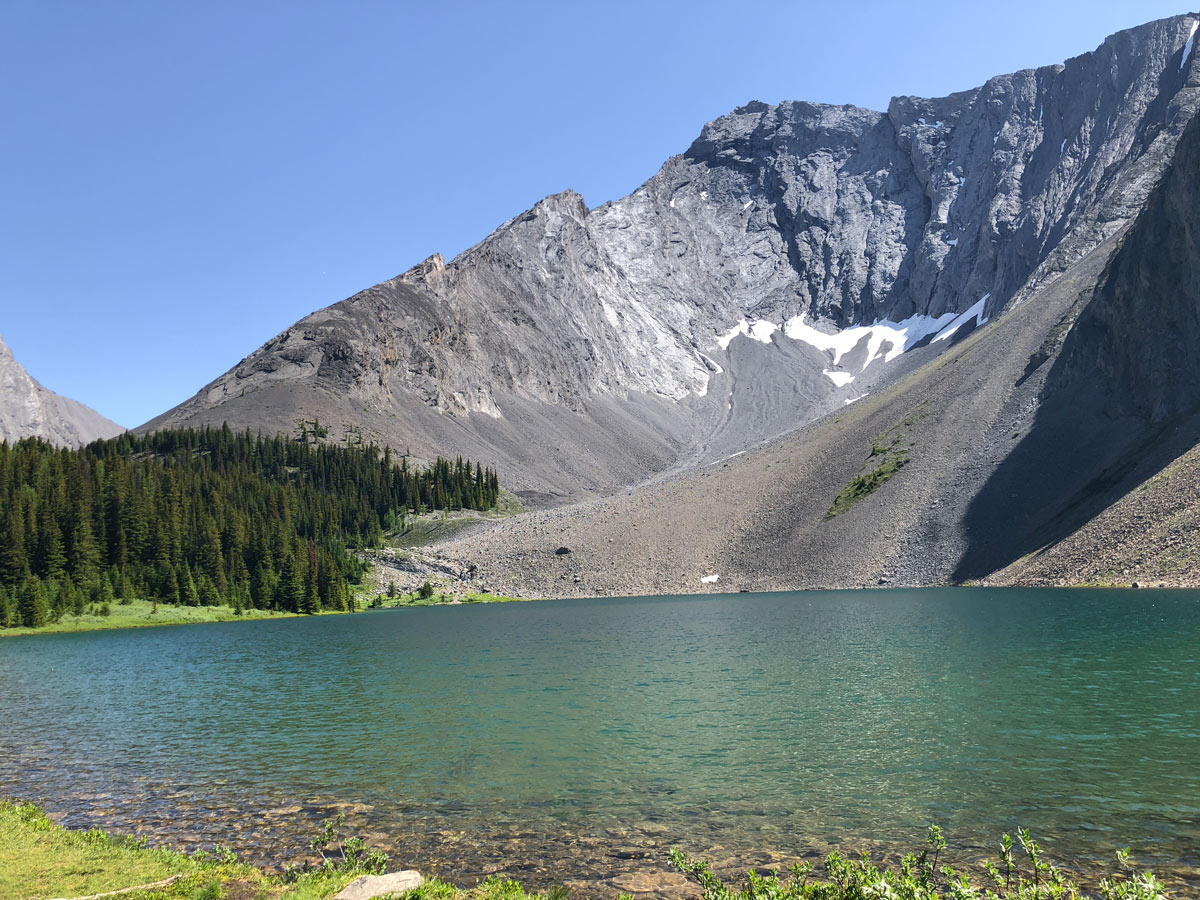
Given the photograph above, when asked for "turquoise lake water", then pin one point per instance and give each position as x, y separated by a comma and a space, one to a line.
749, 727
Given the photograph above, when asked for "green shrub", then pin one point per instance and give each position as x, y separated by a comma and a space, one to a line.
209, 891
1021, 875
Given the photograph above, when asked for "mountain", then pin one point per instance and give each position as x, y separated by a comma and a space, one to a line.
765, 277
27, 410
830, 346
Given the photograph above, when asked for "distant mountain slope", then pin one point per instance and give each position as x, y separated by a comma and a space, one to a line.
775, 271
27, 410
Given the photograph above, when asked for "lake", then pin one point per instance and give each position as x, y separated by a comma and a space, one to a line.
577, 740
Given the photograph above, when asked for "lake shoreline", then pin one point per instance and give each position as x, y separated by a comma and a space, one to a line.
451, 592
138, 614
115, 858
201, 615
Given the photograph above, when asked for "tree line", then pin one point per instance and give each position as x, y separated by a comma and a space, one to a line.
206, 517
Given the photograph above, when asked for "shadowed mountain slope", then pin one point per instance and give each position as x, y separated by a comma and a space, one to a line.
1120, 404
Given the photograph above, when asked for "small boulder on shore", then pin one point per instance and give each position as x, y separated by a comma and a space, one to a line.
370, 886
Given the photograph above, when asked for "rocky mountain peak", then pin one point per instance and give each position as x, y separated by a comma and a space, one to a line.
29, 410
428, 270
783, 265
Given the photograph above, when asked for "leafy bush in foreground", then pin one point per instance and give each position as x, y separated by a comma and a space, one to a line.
1027, 877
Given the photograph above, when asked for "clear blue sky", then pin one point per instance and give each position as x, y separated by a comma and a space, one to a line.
182, 181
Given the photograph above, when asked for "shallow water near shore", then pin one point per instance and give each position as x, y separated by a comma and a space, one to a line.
577, 740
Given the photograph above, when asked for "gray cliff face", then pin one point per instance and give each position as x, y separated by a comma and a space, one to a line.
1118, 403
790, 222
856, 216
29, 410
1139, 336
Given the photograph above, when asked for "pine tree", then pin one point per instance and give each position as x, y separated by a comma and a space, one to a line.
52, 558
32, 605
170, 591
289, 590
14, 565
85, 554
187, 587
209, 596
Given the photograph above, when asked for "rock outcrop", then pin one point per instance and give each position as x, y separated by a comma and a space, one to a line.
29, 410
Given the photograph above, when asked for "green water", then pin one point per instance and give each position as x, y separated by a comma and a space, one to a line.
728, 724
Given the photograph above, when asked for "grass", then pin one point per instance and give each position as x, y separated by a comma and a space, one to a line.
891, 456
39, 859
1021, 871
422, 530
383, 601
142, 614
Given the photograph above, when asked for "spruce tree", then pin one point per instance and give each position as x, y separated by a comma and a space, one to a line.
14, 564
187, 587
32, 605
52, 558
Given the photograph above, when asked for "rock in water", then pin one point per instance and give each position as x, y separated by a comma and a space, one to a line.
370, 886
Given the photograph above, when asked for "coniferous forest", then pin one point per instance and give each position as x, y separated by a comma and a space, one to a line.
206, 517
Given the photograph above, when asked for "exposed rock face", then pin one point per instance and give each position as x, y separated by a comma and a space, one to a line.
29, 410
770, 274
1140, 336
1119, 403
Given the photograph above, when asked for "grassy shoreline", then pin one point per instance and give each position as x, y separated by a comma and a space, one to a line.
146, 614
405, 601
39, 859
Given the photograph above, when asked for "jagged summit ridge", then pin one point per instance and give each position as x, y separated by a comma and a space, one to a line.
693, 317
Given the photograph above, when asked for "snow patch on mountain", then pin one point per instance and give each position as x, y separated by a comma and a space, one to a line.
841, 379
975, 312
886, 340
759, 330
